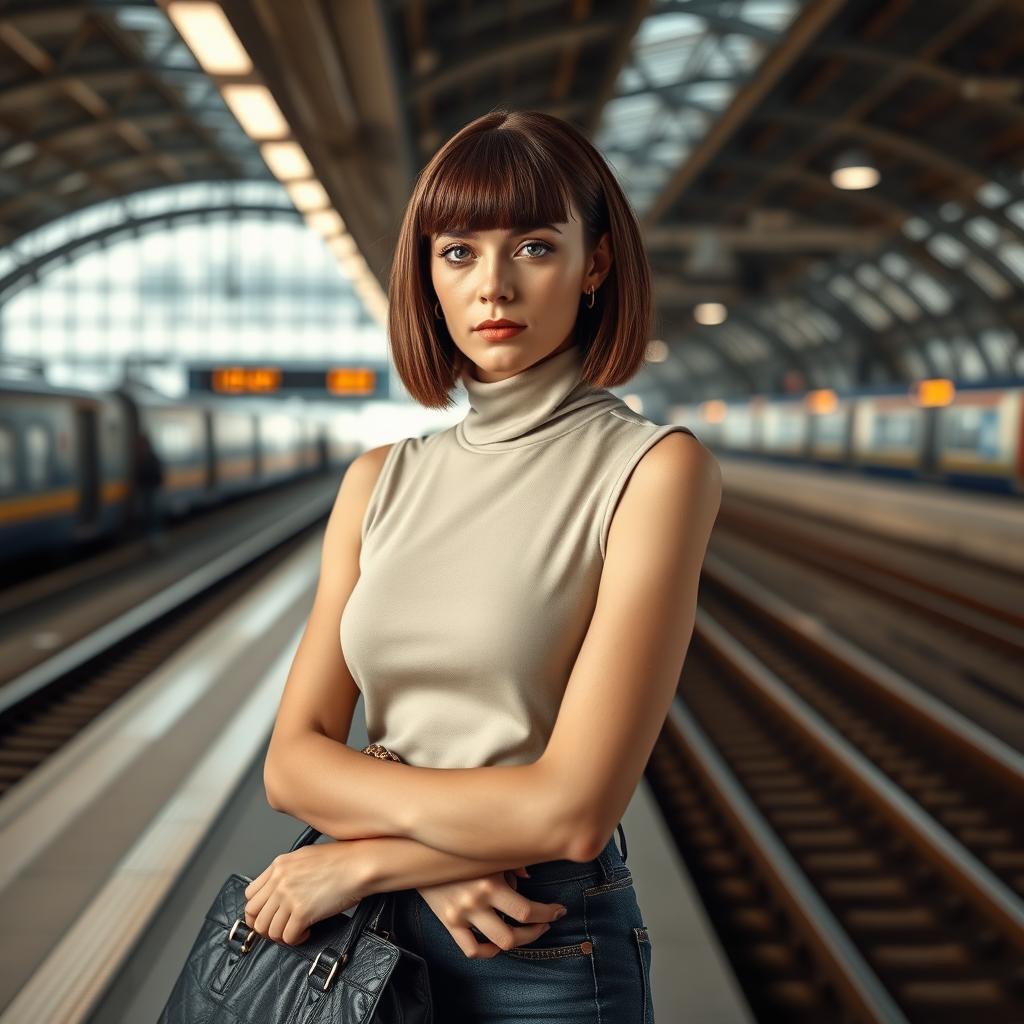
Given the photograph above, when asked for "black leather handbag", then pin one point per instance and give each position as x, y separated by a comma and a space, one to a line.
349, 971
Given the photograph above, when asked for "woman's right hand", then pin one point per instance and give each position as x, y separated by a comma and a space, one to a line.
475, 902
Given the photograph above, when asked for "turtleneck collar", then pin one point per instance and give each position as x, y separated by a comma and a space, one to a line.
532, 405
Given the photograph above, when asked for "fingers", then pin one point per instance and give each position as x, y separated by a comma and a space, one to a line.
255, 904
471, 946
294, 933
277, 925
525, 910
265, 917
269, 918
501, 935
255, 885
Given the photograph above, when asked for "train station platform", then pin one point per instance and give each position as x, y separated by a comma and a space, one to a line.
115, 848
985, 528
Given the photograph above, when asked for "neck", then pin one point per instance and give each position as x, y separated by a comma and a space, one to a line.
532, 405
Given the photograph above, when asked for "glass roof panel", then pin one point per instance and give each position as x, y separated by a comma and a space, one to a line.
692, 62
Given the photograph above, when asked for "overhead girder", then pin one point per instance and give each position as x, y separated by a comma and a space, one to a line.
100, 91
969, 174
526, 47
959, 168
896, 208
130, 165
32, 268
711, 13
806, 26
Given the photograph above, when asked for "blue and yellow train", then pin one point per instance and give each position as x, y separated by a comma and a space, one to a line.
969, 436
67, 472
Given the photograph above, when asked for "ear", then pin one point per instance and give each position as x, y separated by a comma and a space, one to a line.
600, 262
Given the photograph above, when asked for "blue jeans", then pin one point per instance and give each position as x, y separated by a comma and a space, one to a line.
591, 967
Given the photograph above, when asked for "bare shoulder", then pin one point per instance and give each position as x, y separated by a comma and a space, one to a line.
363, 471
670, 502
357, 483
366, 466
679, 458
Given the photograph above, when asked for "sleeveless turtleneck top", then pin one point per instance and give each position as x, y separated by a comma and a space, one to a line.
482, 550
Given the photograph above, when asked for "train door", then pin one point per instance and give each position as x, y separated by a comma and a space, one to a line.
88, 466
929, 443
210, 449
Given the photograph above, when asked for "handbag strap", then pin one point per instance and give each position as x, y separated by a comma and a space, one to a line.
366, 910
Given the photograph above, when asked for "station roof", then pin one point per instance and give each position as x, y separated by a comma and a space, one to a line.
723, 120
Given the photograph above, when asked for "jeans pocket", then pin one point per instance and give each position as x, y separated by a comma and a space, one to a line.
643, 948
624, 881
574, 949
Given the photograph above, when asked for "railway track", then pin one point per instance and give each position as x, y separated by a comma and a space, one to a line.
977, 602
45, 707
859, 844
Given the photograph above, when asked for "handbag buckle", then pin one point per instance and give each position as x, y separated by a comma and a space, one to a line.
249, 940
340, 962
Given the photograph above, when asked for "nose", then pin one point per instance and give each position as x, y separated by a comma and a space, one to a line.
495, 286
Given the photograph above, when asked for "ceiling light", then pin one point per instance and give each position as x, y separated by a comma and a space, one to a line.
709, 313
209, 35
657, 351
256, 110
854, 169
342, 245
286, 160
327, 222
308, 195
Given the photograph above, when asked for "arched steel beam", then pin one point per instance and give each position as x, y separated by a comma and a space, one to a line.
33, 268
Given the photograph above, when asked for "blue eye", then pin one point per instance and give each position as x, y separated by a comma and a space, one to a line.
545, 244
451, 248
458, 245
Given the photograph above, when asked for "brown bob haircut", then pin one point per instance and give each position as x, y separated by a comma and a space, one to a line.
504, 169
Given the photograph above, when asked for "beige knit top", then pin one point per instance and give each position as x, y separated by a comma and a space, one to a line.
482, 548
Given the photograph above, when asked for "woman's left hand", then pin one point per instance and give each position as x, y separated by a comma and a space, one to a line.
300, 888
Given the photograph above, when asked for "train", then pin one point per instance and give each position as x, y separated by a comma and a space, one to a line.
968, 436
68, 475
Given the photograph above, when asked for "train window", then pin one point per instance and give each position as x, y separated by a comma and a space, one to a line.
973, 430
894, 430
8, 472
38, 454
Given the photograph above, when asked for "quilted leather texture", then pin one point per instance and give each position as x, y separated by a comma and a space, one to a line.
381, 983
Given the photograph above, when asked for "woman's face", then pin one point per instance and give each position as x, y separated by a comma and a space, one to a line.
534, 276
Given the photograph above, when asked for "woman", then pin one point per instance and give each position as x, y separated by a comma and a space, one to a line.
515, 597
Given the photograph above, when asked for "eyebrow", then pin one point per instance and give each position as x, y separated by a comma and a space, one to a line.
517, 230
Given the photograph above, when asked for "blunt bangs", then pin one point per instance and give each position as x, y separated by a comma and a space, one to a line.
500, 180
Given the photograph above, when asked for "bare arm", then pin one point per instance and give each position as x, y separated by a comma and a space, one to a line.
627, 671
508, 813
390, 864
500, 812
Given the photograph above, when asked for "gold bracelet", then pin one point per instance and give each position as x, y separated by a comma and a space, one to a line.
378, 750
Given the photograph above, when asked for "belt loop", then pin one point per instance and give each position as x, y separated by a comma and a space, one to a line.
606, 860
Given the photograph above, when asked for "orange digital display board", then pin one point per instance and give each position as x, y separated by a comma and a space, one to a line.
351, 380
245, 380
284, 381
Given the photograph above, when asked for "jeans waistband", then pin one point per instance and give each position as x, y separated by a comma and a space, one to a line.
609, 863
